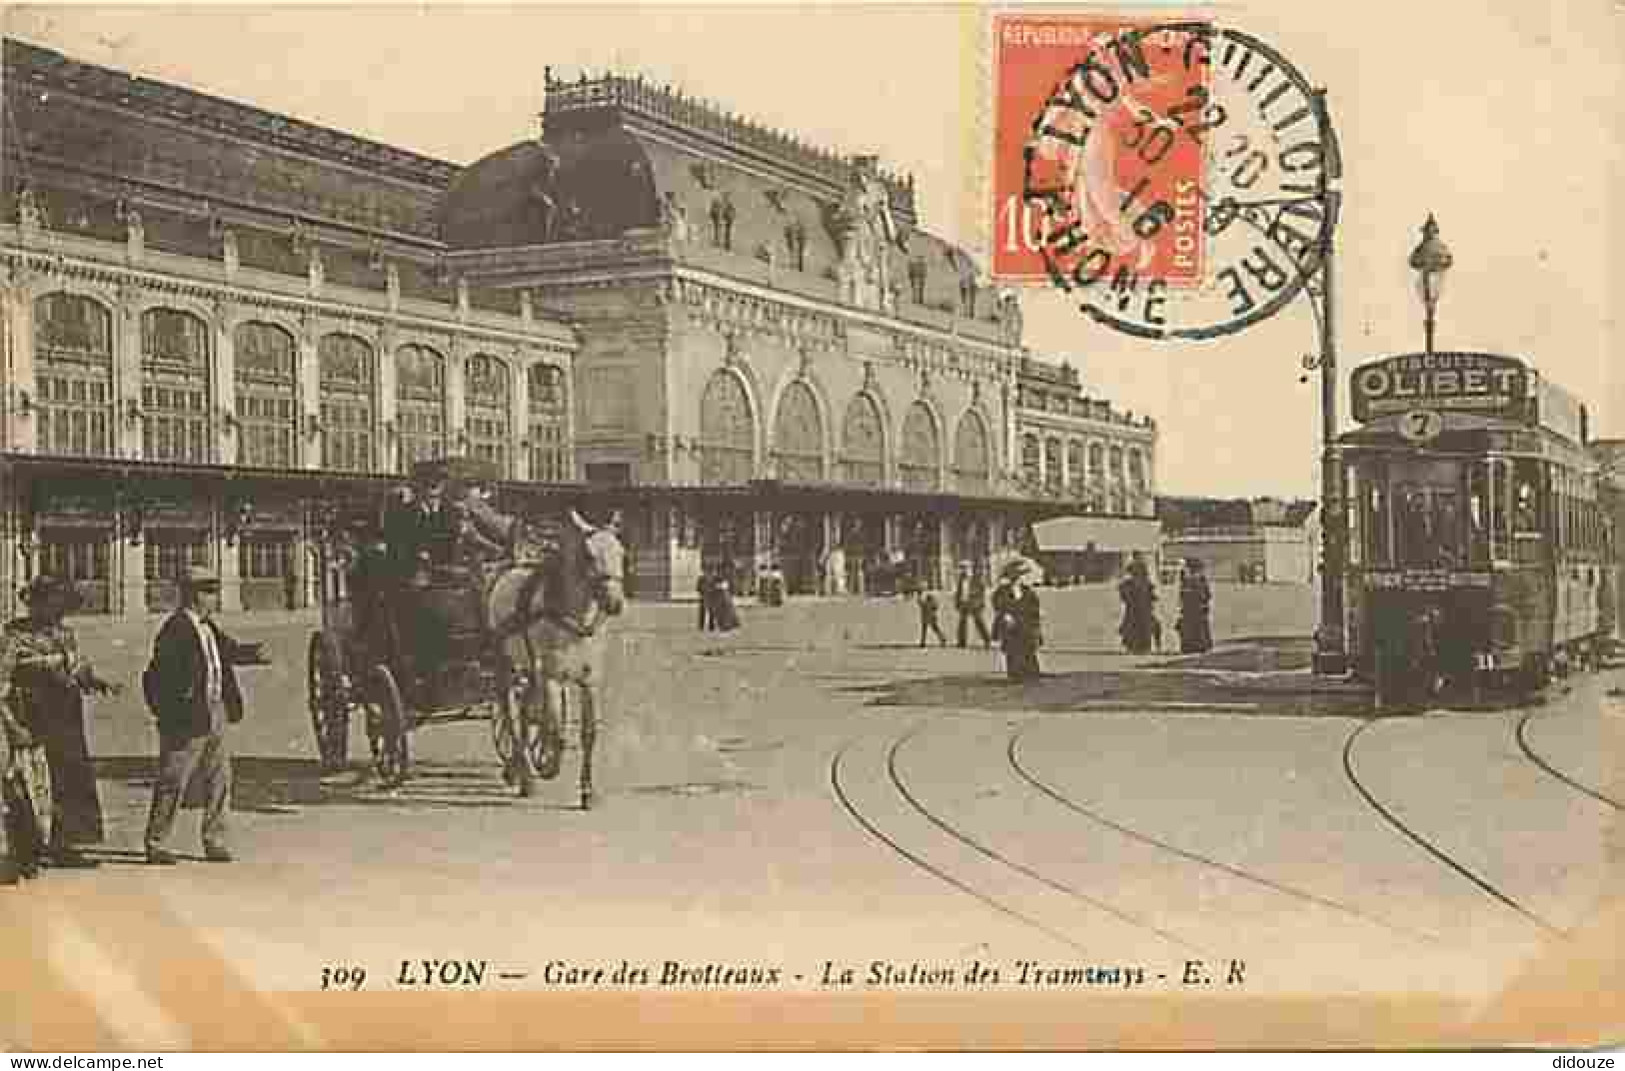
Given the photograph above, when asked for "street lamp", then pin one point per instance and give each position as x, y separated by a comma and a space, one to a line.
1430, 260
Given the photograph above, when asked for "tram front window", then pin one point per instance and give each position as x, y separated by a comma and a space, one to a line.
1428, 526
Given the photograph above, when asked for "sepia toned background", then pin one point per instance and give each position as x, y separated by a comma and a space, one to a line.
1503, 122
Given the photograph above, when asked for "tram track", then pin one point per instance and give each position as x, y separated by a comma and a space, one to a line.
955, 835
1403, 828
1012, 755
1522, 734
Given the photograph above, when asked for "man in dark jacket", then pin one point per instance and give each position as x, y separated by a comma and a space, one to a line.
970, 599
191, 687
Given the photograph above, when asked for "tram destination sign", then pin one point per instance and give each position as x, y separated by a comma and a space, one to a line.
1485, 384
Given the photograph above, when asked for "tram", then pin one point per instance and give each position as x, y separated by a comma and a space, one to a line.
1480, 554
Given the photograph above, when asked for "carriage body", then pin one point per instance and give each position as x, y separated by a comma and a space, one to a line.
403, 643
1477, 548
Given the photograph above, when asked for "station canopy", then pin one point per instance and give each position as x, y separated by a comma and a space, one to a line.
1105, 535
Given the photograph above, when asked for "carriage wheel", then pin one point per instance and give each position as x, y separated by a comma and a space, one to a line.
503, 726
388, 730
547, 753
329, 710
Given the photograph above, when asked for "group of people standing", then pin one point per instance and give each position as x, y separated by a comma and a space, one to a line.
1141, 631
50, 808
1017, 615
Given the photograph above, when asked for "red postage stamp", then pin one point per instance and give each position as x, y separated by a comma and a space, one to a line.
1090, 113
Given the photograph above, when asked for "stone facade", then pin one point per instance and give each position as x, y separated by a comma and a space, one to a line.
1081, 450
206, 313
220, 321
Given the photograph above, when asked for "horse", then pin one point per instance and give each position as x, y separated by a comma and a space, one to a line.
549, 621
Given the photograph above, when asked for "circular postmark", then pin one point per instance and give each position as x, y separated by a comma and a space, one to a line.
1181, 181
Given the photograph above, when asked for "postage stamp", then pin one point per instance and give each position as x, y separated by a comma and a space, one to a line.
1177, 178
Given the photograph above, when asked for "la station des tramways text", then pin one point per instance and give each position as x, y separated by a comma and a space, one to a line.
219, 323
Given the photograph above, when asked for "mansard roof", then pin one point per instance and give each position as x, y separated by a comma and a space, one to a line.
620, 155
109, 121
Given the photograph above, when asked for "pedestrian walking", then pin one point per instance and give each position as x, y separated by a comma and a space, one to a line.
1139, 598
970, 602
703, 587
1018, 622
191, 687
928, 617
1195, 603
724, 614
39, 657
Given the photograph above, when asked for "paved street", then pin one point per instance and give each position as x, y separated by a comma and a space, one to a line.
817, 789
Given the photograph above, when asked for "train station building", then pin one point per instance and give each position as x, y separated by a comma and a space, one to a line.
218, 322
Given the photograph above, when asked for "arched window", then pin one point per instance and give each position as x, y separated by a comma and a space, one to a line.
1077, 477
1031, 462
73, 355
917, 461
175, 388
972, 460
1115, 472
549, 409
863, 443
420, 403
347, 384
1052, 465
267, 403
727, 431
1136, 471
488, 410
798, 435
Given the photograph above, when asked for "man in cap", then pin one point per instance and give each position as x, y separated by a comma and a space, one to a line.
192, 690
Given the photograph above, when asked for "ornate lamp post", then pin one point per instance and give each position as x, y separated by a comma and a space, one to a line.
1430, 260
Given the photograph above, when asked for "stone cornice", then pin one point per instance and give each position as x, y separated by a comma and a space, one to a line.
24, 264
1087, 426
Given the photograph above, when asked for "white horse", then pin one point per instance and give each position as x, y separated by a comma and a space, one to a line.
550, 620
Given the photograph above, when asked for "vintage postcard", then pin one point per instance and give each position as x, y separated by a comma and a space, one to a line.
757, 526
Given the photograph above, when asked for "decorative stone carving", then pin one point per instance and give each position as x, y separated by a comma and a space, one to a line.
527, 306
462, 298
392, 286
315, 270
673, 217
870, 380
1009, 316
864, 229
228, 250
30, 212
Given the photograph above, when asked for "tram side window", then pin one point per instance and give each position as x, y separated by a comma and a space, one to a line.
1490, 494
1376, 523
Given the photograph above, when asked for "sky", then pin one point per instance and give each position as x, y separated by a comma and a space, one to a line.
1503, 120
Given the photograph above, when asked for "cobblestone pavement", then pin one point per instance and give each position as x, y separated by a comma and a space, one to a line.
816, 793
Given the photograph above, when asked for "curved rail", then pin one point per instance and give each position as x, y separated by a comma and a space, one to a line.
1428, 846
999, 857
1011, 753
941, 875
1528, 750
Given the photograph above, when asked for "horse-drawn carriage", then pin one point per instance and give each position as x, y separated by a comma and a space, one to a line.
436, 608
